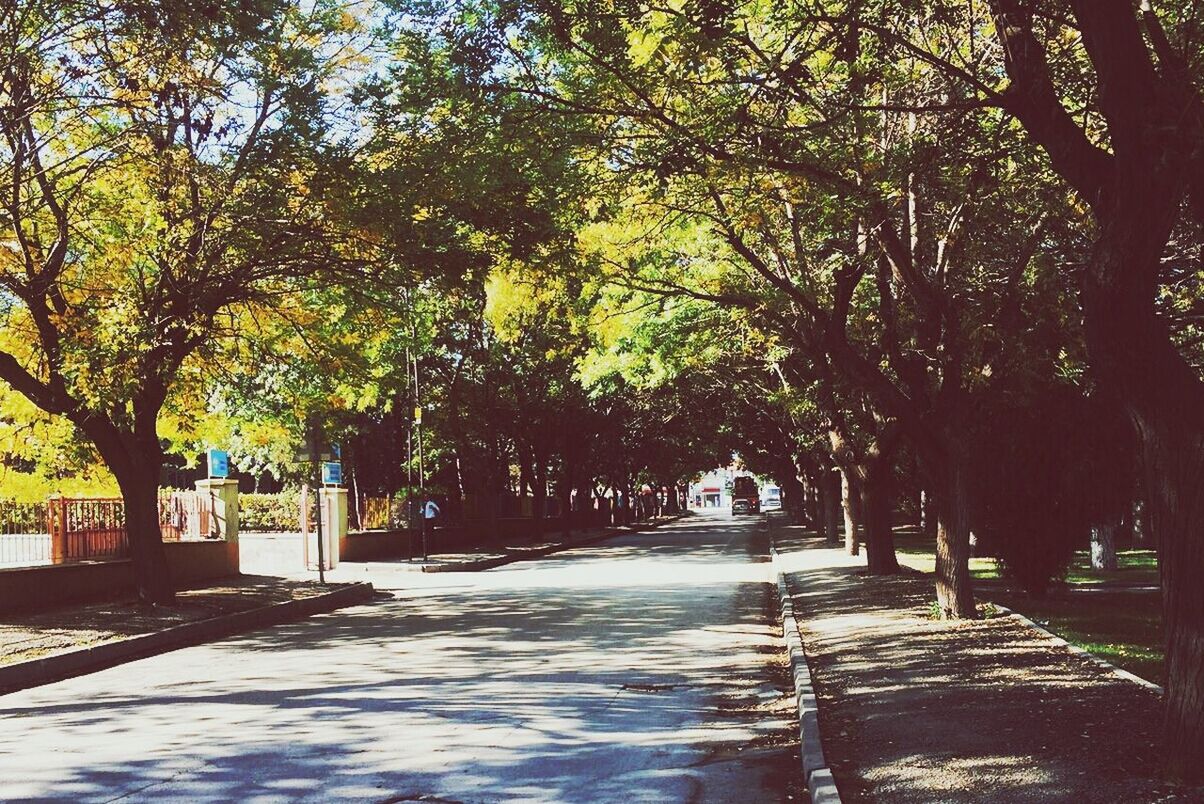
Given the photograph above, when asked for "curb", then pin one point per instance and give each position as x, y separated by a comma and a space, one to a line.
1103, 664
36, 672
482, 564
816, 772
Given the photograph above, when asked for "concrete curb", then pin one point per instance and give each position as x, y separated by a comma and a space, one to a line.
482, 564
36, 672
816, 772
1086, 654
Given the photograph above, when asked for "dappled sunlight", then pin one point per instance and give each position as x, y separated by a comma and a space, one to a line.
916, 709
548, 682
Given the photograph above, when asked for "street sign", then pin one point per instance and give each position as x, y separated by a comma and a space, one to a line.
332, 473
305, 456
418, 414
219, 464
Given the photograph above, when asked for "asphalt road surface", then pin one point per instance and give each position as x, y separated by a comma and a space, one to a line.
645, 668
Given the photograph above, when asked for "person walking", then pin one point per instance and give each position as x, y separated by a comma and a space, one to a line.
430, 512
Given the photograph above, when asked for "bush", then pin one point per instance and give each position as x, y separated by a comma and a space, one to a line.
275, 513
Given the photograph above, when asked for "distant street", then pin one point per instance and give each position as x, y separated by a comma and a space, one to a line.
640, 669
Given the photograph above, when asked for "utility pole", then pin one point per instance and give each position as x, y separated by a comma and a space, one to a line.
314, 447
409, 463
421, 468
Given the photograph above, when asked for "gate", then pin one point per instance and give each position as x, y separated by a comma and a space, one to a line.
86, 529
189, 516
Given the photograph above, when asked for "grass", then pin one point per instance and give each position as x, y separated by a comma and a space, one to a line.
1135, 567
1121, 627
919, 552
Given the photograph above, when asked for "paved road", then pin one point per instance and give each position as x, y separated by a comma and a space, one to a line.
641, 669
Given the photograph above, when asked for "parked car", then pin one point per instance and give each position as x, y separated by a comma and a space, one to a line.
771, 504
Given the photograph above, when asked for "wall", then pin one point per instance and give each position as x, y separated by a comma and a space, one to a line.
281, 553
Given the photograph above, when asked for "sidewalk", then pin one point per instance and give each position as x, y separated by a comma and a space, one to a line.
39, 646
918, 710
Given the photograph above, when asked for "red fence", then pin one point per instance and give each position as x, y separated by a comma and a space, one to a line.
64, 529
86, 529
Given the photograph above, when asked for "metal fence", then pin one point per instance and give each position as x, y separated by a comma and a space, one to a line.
375, 513
64, 529
24, 540
189, 516
86, 529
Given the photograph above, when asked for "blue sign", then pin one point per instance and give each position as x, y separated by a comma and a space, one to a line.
332, 473
219, 463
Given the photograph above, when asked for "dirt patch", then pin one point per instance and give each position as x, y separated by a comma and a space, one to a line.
34, 635
917, 710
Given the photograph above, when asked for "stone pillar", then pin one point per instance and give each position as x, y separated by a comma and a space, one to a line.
225, 505
333, 510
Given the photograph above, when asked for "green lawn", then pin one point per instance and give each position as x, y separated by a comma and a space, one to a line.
1122, 627
1136, 566
919, 552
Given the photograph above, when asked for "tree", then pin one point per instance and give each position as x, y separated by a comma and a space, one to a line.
161, 167
1142, 184
1109, 92
739, 121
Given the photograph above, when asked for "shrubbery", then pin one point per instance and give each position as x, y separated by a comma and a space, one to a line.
279, 512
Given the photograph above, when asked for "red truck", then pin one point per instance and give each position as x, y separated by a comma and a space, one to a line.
746, 498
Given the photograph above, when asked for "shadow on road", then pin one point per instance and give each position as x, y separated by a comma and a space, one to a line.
645, 668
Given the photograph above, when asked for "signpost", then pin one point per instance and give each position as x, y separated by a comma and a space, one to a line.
326, 468
219, 464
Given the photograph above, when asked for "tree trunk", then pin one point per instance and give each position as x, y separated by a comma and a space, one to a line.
814, 512
1141, 528
673, 500
566, 509
794, 501
877, 510
139, 486
928, 515
525, 482
821, 522
1103, 547
1175, 513
849, 494
136, 460
1163, 395
954, 590
829, 489
539, 492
